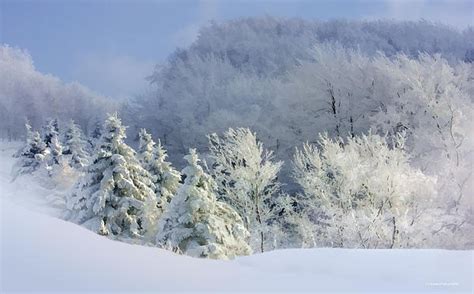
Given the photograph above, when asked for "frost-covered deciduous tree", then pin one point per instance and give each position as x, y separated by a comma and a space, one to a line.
116, 195
196, 224
247, 178
153, 158
32, 155
431, 101
333, 93
363, 192
236, 73
75, 146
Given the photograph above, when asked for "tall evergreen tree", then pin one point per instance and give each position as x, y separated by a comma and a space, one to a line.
55, 151
51, 139
31, 155
196, 224
116, 195
97, 131
165, 177
50, 130
75, 146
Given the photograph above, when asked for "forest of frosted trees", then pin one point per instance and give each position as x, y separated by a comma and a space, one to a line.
264, 134
28, 94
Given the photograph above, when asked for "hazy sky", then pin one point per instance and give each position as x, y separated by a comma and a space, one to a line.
110, 46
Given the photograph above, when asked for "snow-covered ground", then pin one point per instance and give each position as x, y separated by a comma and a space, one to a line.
42, 253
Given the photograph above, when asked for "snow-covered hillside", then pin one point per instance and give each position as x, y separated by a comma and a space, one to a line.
42, 253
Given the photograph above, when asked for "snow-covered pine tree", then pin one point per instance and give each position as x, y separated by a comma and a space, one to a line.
95, 135
196, 224
55, 151
145, 148
97, 131
51, 139
165, 177
50, 130
60, 174
31, 156
75, 146
116, 195
247, 179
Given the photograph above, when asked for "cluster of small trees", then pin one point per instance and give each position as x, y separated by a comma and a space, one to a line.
53, 153
359, 192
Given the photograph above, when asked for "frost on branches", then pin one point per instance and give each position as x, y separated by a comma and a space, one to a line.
196, 224
153, 158
75, 146
246, 178
116, 196
31, 156
363, 192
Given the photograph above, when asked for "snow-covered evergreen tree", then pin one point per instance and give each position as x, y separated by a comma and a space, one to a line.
165, 177
116, 195
145, 148
246, 178
75, 146
51, 139
31, 156
363, 193
95, 135
50, 130
196, 224
55, 151
58, 172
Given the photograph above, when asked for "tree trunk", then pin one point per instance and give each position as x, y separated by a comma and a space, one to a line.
394, 233
259, 220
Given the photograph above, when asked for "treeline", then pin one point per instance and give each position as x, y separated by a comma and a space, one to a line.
357, 192
290, 80
26, 93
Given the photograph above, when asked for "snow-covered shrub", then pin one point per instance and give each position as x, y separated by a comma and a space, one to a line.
75, 146
153, 158
363, 193
116, 195
247, 179
32, 155
195, 223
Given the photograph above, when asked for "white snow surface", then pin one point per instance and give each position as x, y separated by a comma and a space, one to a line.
42, 253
